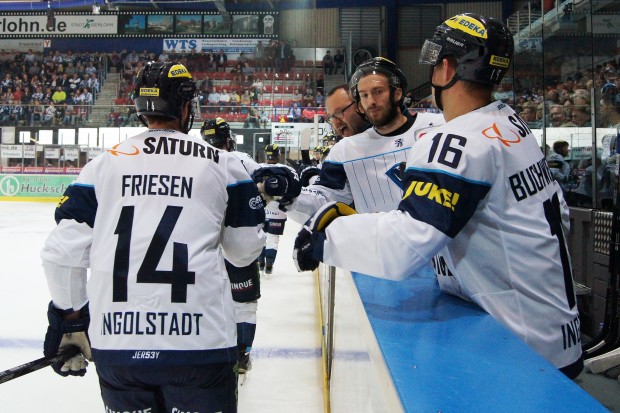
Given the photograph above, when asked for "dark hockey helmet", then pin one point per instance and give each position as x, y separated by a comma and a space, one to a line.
272, 152
379, 65
482, 46
217, 133
162, 89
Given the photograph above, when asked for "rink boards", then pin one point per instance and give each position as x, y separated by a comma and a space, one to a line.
405, 346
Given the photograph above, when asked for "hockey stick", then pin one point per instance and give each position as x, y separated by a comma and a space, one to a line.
609, 338
37, 364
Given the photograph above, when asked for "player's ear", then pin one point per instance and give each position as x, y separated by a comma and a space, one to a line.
398, 94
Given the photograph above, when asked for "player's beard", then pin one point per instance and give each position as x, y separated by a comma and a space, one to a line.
384, 118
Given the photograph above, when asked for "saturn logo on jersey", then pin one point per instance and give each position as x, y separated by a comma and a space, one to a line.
493, 132
116, 152
434, 193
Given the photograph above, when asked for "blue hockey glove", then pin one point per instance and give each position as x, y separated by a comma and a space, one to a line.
308, 173
277, 181
308, 247
63, 333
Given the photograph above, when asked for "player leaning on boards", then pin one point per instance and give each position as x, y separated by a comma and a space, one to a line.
479, 201
153, 218
245, 281
356, 169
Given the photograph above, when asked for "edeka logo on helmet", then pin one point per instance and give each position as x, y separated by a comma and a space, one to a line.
179, 71
469, 25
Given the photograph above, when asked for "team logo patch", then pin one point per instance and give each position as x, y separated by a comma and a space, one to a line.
256, 202
114, 151
149, 91
434, 193
468, 25
179, 71
499, 61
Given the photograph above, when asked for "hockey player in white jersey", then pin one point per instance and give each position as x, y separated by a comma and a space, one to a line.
480, 202
359, 169
275, 217
153, 218
245, 281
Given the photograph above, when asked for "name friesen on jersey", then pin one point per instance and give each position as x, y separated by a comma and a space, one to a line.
530, 180
150, 323
167, 185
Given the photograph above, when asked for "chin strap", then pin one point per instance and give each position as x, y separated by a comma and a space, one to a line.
438, 90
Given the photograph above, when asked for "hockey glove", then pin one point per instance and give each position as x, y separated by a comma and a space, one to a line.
308, 247
63, 333
308, 173
277, 182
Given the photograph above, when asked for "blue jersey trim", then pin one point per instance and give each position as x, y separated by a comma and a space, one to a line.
163, 357
240, 183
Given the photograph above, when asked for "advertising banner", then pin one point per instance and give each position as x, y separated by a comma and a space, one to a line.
20, 25
33, 187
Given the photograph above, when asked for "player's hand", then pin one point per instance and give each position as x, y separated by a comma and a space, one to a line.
275, 182
308, 247
63, 333
308, 173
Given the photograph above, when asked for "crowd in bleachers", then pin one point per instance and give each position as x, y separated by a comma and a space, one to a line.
257, 88
49, 89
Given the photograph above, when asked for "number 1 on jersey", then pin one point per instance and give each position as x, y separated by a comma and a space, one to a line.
178, 278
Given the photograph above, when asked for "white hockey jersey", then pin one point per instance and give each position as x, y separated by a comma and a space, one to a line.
355, 171
153, 218
480, 201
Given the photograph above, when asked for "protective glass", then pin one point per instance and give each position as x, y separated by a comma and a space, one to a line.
339, 114
430, 53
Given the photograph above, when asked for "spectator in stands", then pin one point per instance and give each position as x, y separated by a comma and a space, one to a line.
294, 113
247, 69
36, 112
307, 115
328, 63
243, 59
338, 62
529, 115
213, 99
163, 56
253, 119
308, 99
237, 70
224, 101
18, 112
64, 82
93, 83
49, 114
297, 97
319, 99
235, 101
264, 117
59, 95
7, 82
70, 114
257, 85
259, 56
221, 60
75, 82
246, 101
246, 83
580, 116
504, 93
559, 167
270, 56
557, 116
